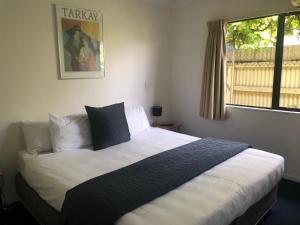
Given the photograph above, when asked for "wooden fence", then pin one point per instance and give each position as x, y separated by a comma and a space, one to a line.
250, 75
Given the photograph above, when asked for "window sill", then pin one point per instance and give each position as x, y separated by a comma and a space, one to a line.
263, 109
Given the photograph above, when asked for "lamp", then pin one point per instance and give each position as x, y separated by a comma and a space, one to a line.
156, 112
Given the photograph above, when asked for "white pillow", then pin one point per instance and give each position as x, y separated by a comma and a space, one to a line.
37, 136
136, 119
70, 132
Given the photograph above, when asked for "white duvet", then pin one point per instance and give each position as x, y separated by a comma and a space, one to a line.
216, 197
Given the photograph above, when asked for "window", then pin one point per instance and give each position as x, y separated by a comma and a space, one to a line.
263, 62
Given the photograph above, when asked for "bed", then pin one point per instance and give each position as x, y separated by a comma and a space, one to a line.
239, 190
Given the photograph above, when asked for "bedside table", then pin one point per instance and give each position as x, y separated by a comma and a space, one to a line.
1, 187
172, 126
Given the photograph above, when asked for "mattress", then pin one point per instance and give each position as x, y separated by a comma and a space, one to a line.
216, 197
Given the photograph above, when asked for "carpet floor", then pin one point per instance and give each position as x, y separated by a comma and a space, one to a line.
287, 209
285, 212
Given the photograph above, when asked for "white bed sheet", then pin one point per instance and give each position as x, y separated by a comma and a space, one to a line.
216, 197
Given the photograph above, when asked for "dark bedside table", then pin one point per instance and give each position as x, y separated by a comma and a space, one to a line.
14, 213
172, 126
1, 187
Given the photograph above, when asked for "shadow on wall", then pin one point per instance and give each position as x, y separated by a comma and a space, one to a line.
160, 86
13, 142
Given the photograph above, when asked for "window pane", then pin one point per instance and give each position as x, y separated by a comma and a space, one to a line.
250, 61
290, 75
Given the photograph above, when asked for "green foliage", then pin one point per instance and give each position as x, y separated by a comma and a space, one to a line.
292, 23
258, 33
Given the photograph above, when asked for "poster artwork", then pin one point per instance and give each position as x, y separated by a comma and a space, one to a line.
80, 40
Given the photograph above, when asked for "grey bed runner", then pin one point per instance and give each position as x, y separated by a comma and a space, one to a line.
104, 199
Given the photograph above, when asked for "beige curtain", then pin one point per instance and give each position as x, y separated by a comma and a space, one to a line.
212, 104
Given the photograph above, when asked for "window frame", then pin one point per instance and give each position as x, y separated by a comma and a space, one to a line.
277, 62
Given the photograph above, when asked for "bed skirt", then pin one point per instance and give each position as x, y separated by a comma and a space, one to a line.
47, 215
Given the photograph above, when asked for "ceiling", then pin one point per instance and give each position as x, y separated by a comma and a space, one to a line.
170, 3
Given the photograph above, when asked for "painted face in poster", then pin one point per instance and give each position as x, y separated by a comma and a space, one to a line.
80, 43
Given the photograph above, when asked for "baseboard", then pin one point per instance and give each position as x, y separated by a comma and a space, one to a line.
292, 178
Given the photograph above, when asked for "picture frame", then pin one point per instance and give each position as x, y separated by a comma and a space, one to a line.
80, 42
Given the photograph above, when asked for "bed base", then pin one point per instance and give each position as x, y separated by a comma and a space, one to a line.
47, 215
39, 208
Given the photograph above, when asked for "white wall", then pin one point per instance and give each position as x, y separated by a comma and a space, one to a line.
276, 132
136, 41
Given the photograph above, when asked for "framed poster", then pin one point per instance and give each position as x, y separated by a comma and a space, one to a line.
80, 42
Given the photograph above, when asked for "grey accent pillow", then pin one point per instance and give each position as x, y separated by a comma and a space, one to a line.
108, 125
